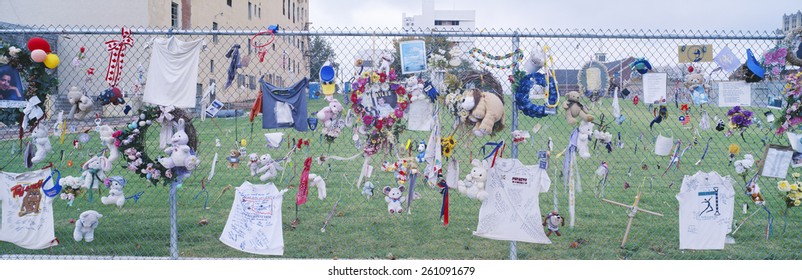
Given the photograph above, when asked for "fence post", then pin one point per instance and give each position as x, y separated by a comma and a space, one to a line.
173, 222
513, 145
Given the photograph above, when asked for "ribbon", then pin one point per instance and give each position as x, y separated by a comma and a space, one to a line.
411, 192
705, 153
303, 186
32, 111
494, 152
444, 207
233, 54
136, 196
166, 120
116, 49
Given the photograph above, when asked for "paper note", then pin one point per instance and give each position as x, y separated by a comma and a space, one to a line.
777, 163
734, 94
654, 87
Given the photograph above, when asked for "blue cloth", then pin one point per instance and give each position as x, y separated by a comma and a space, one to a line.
294, 95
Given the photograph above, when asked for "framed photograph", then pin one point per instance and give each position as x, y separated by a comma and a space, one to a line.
381, 103
12, 94
413, 56
796, 160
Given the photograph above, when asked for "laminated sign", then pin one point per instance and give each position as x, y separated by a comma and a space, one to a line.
695, 53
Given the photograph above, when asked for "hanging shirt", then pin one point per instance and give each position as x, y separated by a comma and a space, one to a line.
254, 223
173, 72
284, 107
706, 205
27, 214
511, 211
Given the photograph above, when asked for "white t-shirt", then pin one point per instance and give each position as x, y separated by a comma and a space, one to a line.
706, 205
511, 211
173, 72
27, 214
254, 223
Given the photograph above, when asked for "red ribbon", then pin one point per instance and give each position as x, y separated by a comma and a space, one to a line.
303, 186
116, 49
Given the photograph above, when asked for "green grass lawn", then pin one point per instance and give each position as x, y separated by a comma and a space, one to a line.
362, 229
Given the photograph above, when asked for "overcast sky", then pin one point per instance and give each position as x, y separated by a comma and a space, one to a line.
763, 15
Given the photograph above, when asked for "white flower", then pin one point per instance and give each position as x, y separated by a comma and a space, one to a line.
4, 59
14, 51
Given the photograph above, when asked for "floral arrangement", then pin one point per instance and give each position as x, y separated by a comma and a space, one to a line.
381, 129
793, 109
739, 118
447, 145
330, 133
439, 59
793, 193
774, 60
39, 81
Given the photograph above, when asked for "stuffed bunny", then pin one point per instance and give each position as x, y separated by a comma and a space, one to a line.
179, 152
85, 225
42, 143
116, 195
107, 138
474, 184
328, 113
95, 171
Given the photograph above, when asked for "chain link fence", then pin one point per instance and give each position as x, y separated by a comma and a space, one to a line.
360, 226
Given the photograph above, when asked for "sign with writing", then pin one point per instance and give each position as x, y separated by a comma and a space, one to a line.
695, 53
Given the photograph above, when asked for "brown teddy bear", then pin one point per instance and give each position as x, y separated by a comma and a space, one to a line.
233, 158
485, 109
574, 110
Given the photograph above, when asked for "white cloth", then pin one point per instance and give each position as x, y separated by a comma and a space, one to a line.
419, 117
511, 210
706, 204
254, 223
173, 72
27, 214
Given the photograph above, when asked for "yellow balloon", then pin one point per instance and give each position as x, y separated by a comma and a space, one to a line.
51, 61
243, 142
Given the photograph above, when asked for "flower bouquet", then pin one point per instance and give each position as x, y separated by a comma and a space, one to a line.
793, 193
793, 109
774, 60
740, 119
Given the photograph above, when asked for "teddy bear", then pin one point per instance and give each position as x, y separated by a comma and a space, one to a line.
85, 225
394, 198
42, 143
107, 138
116, 196
328, 113
695, 83
269, 167
317, 181
574, 110
81, 104
179, 152
95, 171
367, 189
584, 132
485, 109
233, 158
474, 184
385, 62
253, 163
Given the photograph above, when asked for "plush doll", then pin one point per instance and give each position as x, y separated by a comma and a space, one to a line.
317, 181
233, 158
95, 172
328, 113
754, 191
384, 65
81, 104
414, 87
553, 220
695, 83
574, 110
585, 131
269, 167
742, 166
421, 151
474, 184
85, 225
253, 163
179, 151
606, 138
485, 109
107, 138
394, 198
367, 189
42, 143
116, 196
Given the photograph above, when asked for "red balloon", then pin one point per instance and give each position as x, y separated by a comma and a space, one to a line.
37, 43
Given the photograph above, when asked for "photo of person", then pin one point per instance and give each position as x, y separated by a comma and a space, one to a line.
10, 84
413, 56
796, 160
380, 104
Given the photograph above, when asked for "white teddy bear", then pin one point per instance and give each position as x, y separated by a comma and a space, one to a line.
95, 172
474, 184
85, 225
116, 195
385, 62
42, 143
179, 151
253, 163
394, 197
81, 104
583, 137
269, 168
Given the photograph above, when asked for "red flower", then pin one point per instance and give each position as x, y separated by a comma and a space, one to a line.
379, 124
382, 77
400, 91
403, 105
354, 98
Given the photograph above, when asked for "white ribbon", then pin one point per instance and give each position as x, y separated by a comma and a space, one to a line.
32, 111
166, 120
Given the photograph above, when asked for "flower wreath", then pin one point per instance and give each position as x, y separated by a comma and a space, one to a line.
522, 84
790, 43
381, 131
131, 141
35, 74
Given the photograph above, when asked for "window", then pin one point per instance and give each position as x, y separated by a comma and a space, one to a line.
240, 80
249, 10
249, 46
228, 2
174, 15
211, 66
446, 22
251, 82
260, 12
214, 37
283, 7
293, 11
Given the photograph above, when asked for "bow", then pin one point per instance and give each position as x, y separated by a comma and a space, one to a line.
166, 119
116, 49
32, 111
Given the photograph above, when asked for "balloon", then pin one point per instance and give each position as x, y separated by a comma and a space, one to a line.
51, 61
37, 43
38, 55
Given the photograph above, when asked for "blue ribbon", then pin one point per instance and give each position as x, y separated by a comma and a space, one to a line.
233, 54
136, 196
495, 149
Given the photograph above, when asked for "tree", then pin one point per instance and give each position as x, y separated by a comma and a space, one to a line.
320, 51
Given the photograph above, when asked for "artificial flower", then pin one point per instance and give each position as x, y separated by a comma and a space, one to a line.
4, 59
14, 51
784, 186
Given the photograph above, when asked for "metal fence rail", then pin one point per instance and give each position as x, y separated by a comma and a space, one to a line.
165, 222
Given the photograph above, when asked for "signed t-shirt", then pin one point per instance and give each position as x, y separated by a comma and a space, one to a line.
254, 223
27, 214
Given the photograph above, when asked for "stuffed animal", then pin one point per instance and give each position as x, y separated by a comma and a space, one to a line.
553, 220
179, 151
253, 163
107, 138
233, 158
116, 195
269, 167
386, 60
754, 191
695, 83
421, 151
317, 181
42, 143
394, 198
745, 164
330, 112
474, 184
485, 109
85, 225
367, 189
81, 104
95, 171
574, 110
414, 87
606, 138
583, 137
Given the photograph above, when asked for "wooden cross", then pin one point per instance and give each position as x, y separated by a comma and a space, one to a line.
633, 209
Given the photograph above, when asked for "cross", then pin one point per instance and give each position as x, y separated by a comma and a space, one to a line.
633, 209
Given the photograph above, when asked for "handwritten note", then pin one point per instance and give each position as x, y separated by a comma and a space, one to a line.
734, 94
654, 87
777, 161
